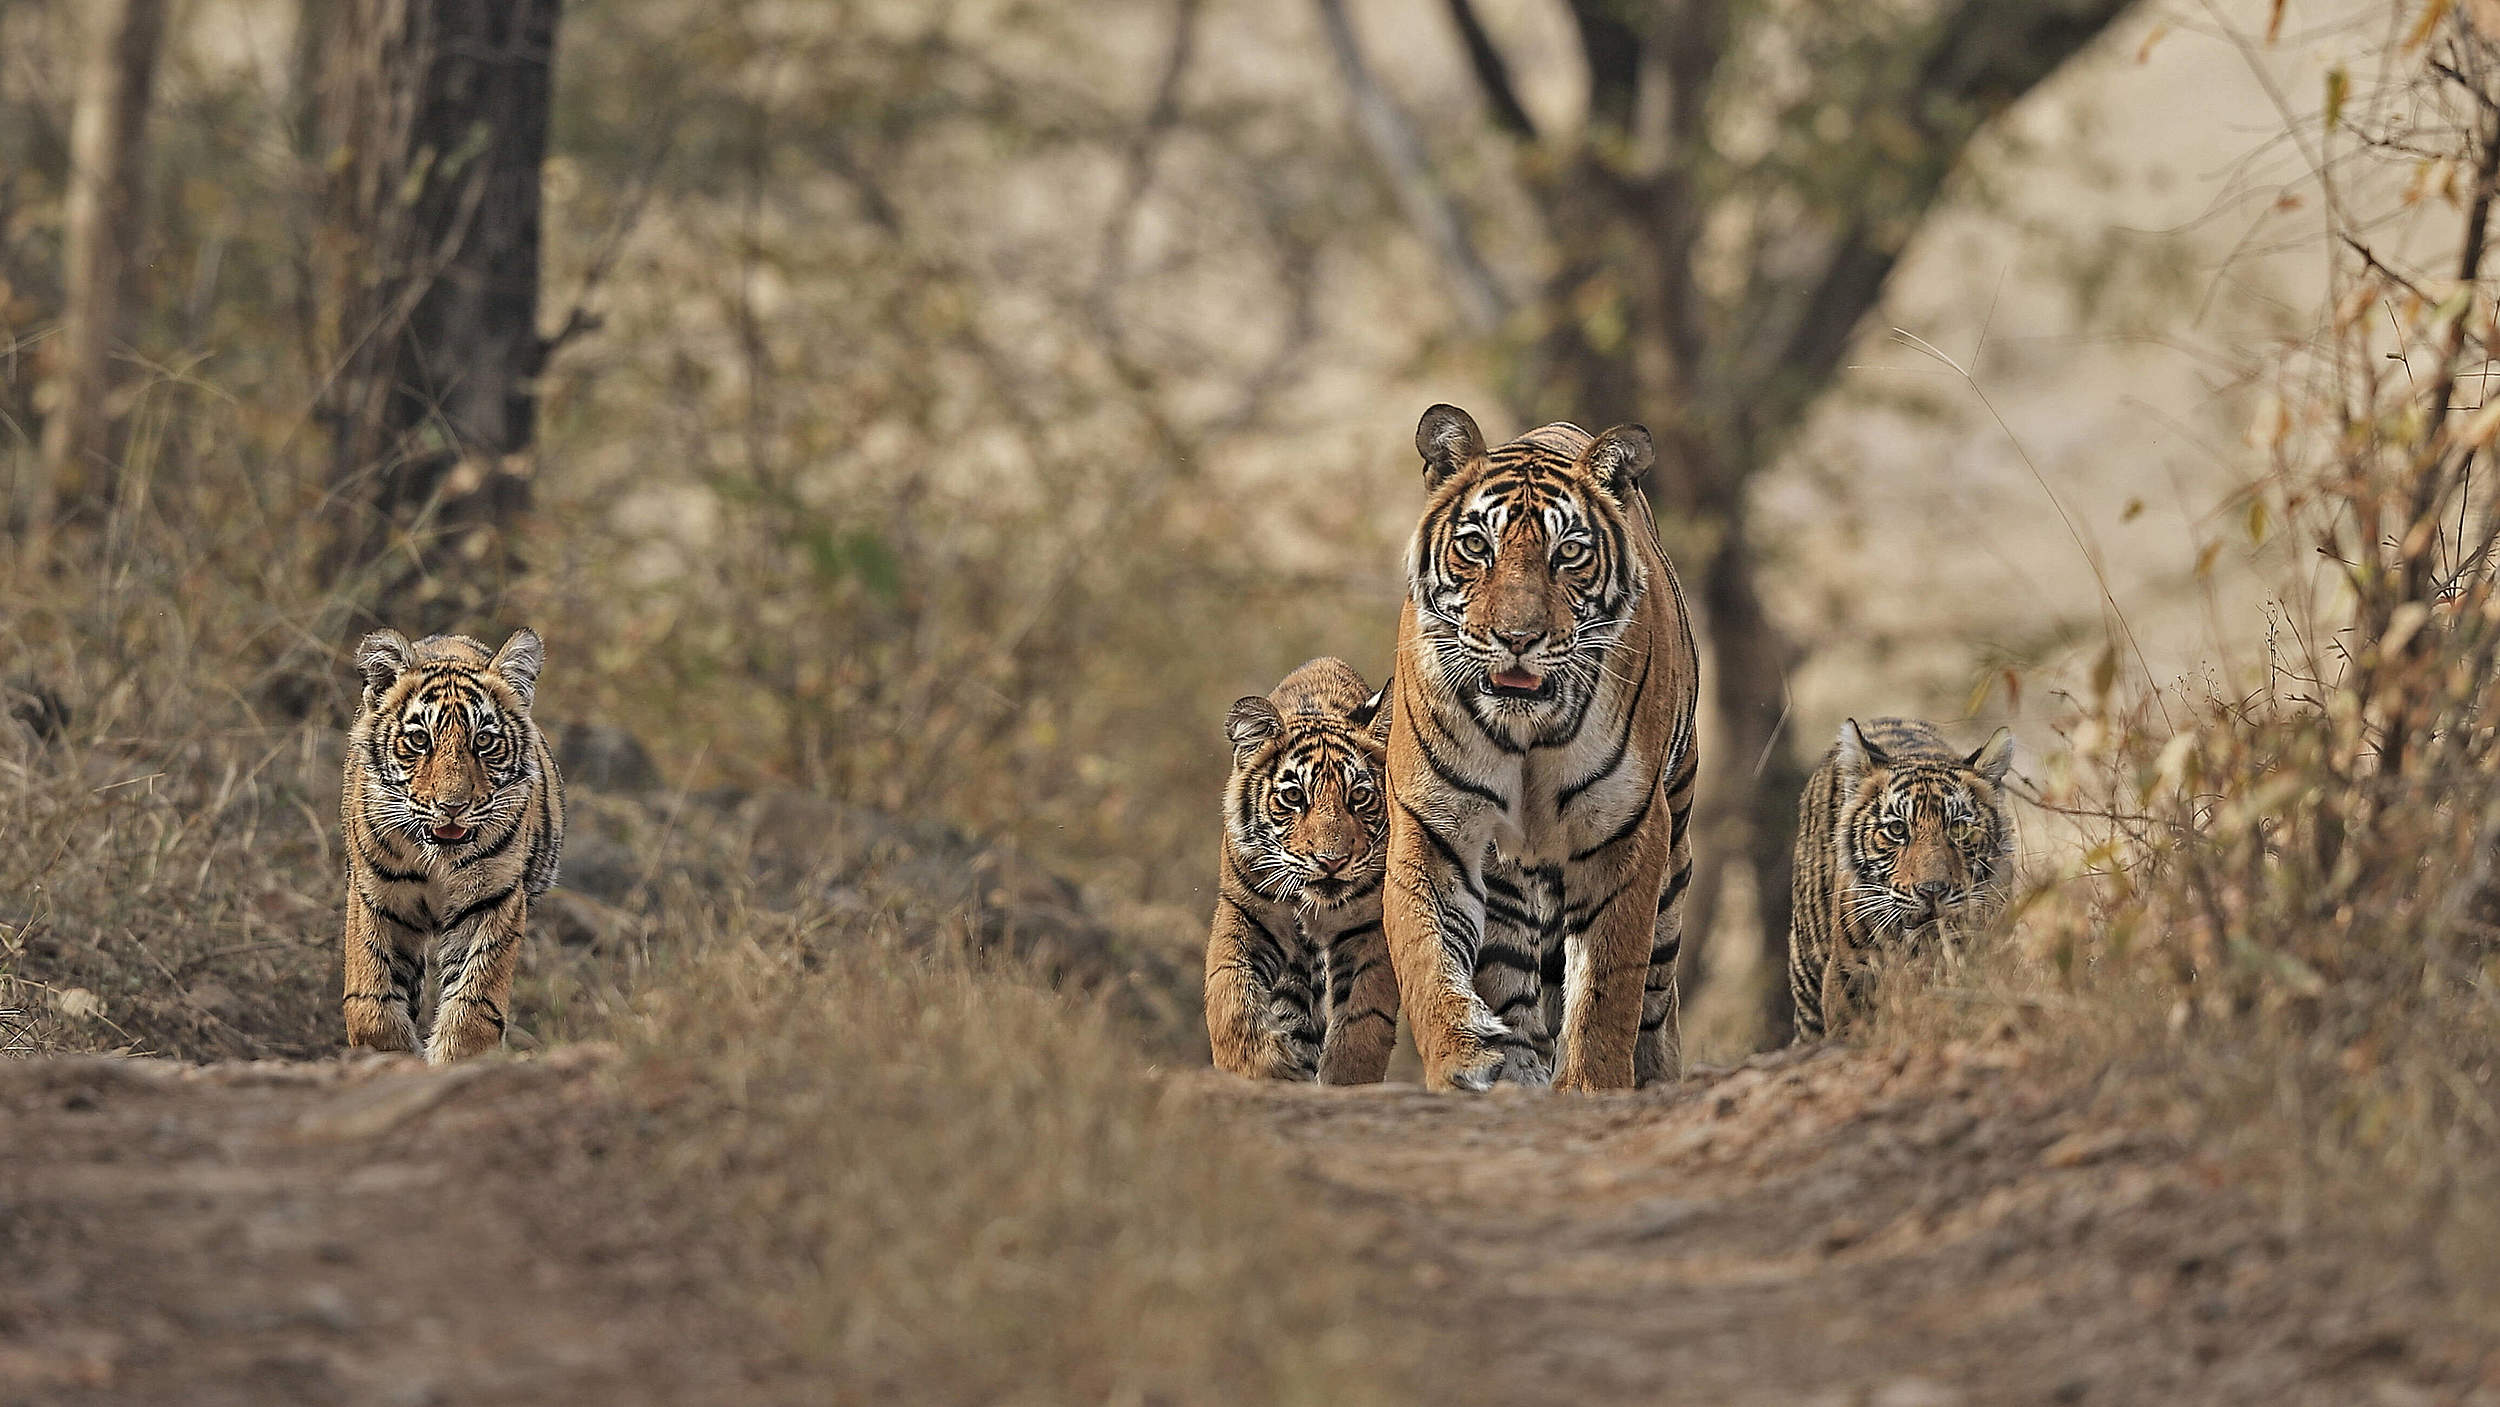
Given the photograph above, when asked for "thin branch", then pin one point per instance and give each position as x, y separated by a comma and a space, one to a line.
1492, 73
1137, 180
1400, 151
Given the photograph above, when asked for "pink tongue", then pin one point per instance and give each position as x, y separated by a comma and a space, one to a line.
450, 832
1518, 679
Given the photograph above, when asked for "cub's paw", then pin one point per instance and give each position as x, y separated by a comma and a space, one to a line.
1525, 1067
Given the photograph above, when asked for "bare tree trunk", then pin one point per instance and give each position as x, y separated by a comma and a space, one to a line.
101, 218
434, 117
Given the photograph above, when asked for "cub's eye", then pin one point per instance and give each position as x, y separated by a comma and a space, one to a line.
1474, 546
487, 737
1290, 795
1966, 829
1895, 829
1361, 790
1571, 553
415, 739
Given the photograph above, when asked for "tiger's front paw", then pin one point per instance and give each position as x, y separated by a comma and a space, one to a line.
374, 1026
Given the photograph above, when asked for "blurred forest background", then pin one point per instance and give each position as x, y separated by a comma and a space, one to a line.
947, 409
911, 424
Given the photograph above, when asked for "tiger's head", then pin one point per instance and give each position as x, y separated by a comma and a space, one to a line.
444, 735
1305, 811
1927, 840
1523, 571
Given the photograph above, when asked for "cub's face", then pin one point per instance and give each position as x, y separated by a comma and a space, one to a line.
445, 739
1305, 810
1927, 843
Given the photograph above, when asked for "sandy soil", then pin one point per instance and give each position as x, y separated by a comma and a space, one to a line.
1828, 1228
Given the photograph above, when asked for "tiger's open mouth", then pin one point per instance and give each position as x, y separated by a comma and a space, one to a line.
450, 834
1517, 683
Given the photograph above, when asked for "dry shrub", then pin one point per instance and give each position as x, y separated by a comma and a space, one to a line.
949, 1186
2280, 925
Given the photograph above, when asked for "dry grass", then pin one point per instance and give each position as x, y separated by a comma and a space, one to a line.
949, 1186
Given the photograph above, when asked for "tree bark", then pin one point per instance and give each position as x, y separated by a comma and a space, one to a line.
434, 116
101, 233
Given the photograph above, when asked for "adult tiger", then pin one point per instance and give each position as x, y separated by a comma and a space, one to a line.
1541, 762
1901, 839
1298, 980
454, 816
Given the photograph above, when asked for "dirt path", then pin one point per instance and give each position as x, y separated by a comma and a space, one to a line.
1832, 1229
1843, 1229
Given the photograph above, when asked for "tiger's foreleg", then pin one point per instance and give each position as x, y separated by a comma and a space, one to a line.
1432, 906
1362, 1007
477, 958
1519, 908
1259, 1018
1606, 967
1658, 1054
384, 962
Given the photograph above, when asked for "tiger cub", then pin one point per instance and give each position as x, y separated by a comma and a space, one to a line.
454, 816
1298, 979
1901, 840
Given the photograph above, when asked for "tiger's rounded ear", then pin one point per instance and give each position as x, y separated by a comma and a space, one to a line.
1855, 754
1251, 724
381, 658
1449, 441
519, 661
1373, 713
1620, 458
1995, 757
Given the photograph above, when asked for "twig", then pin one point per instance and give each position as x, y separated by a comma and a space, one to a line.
1400, 151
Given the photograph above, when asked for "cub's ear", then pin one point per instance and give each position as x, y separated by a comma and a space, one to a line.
381, 658
1251, 724
519, 661
1995, 757
1449, 441
1374, 712
1856, 755
1619, 459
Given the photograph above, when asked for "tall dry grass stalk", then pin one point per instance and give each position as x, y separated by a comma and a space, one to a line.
948, 1187
2283, 913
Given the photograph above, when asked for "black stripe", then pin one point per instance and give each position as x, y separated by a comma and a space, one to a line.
1648, 1025
1623, 744
1448, 851
1511, 914
1624, 831
1371, 1013
473, 910
1441, 769
1508, 959
412, 925
1675, 888
519, 823
1255, 922
1518, 1000
395, 876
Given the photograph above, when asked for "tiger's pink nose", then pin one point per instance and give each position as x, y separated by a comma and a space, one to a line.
1520, 641
1332, 862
